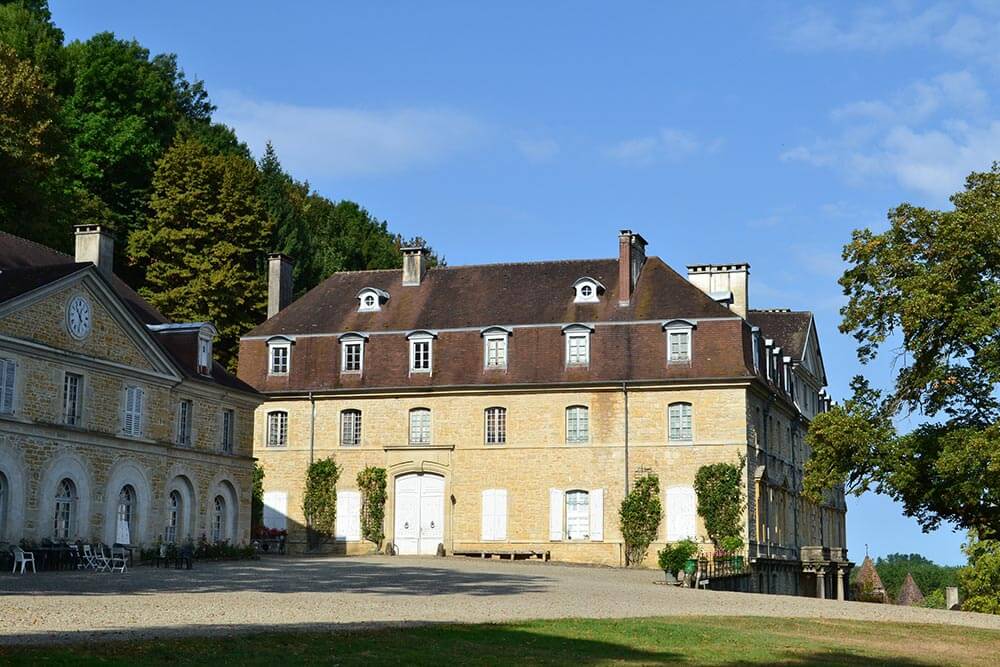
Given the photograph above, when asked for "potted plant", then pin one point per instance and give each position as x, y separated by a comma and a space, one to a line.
675, 557
733, 545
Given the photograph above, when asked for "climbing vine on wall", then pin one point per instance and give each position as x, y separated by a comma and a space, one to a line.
720, 500
320, 502
640, 516
372, 484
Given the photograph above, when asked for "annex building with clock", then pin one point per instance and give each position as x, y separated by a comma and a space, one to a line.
116, 425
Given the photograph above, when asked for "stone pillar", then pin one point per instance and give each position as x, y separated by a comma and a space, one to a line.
820, 583
951, 597
840, 574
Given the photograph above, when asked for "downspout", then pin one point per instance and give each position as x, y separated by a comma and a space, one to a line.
625, 395
312, 426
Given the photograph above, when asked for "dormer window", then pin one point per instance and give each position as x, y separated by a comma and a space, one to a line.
495, 347
421, 351
205, 337
370, 299
679, 335
577, 344
279, 356
352, 353
587, 290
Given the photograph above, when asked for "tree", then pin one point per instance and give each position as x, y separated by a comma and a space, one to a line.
27, 29
640, 516
319, 504
980, 579
719, 488
205, 243
372, 484
929, 286
257, 500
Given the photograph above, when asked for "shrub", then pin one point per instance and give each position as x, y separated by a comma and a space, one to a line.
934, 600
257, 500
319, 503
640, 516
672, 557
720, 499
372, 484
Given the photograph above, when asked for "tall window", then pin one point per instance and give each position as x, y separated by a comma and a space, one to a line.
755, 351
577, 424
420, 355
496, 351
126, 504
73, 399
8, 371
219, 519
577, 349
132, 421
496, 426
277, 429
204, 355
279, 362
679, 345
65, 509
577, 515
350, 428
679, 416
228, 435
3, 504
351, 356
173, 517
185, 409
420, 426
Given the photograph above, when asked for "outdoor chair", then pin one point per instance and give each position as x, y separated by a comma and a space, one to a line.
89, 560
119, 559
77, 562
102, 561
23, 557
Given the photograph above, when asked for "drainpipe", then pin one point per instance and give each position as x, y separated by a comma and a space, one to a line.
625, 395
312, 426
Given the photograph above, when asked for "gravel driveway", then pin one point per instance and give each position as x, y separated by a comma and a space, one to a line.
316, 593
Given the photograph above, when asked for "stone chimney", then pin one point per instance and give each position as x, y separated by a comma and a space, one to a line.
95, 245
726, 283
631, 257
414, 265
279, 283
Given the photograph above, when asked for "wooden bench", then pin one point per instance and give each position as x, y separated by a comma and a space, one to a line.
505, 553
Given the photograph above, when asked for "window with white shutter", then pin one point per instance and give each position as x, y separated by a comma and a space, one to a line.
597, 515
276, 509
494, 520
681, 508
8, 373
555, 515
577, 515
348, 523
132, 420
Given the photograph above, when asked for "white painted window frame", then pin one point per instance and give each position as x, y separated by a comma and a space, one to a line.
499, 420
345, 346
73, 417
680, 427
277, 425
502, 347
573, 437
356, 424
420, 340
272, 349
429, 428
132, 411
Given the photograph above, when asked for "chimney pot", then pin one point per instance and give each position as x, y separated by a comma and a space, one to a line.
94, 244
279, 283
414, 265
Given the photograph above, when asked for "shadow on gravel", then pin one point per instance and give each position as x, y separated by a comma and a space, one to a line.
281, 575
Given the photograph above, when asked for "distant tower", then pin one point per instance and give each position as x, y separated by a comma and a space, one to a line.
869, 585
909, 593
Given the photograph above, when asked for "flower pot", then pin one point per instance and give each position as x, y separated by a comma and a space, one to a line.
738, 563
671, 579
690, 566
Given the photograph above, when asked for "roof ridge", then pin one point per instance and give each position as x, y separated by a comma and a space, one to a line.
485, 264
42, 246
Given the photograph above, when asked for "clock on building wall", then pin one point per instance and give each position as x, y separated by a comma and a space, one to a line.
78, 317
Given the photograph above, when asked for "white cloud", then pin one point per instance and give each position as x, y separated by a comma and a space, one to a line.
927, 136
537, 150
667, 145
341, 141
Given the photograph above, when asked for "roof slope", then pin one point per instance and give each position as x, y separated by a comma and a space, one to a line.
482, 295
789, 329
909, 593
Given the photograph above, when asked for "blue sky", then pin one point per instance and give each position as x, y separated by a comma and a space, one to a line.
759, 132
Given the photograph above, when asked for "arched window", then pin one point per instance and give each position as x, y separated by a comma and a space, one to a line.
496, 426
126, 513
577, 515
350, 428
65, 509
173, 517
219, 520
679, 418
577, 424
277, 428
420, 426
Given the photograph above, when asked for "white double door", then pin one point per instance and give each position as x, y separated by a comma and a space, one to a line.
419, 514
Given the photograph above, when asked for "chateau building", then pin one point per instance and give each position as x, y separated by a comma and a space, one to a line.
115, 424
513, 405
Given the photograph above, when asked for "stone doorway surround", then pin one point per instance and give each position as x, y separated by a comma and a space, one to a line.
827, 565
422, 459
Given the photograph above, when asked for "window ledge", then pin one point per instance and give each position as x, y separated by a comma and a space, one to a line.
393, 448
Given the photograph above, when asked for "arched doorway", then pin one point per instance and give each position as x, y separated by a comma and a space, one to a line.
419, 514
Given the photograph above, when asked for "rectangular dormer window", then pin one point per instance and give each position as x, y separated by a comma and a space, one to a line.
679, 345
280, 358
352, 354
755, 338
496, 351
420, 355
578, 348
204, 355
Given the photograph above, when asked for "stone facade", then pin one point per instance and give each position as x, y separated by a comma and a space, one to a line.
99, 455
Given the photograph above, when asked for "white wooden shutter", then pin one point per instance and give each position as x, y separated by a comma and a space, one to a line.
681, 510
555, 515
276, 509
348, 524
500, 514
597, 515
489, 511
7, 375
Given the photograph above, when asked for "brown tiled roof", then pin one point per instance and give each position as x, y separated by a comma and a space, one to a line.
868, 576
26, 266
789, 329
909, 593
491, 294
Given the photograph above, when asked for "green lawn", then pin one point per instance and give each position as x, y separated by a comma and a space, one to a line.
693, 641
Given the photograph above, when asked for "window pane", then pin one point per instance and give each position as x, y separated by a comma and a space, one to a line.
577, 424
350, 427
420, 427
496, 426
679, 415
577, 515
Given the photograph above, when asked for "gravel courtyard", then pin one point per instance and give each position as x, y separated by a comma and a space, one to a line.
314, 593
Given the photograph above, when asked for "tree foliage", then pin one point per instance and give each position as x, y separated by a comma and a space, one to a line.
372, 485
257, 500
928, 575
980, 579
719, 488
929, 287
319, 504
639, 516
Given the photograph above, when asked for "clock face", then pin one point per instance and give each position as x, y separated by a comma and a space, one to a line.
78, 317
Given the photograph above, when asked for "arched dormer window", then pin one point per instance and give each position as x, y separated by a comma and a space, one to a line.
352, 352
371, 299
587, 290
679, 335
577, 344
